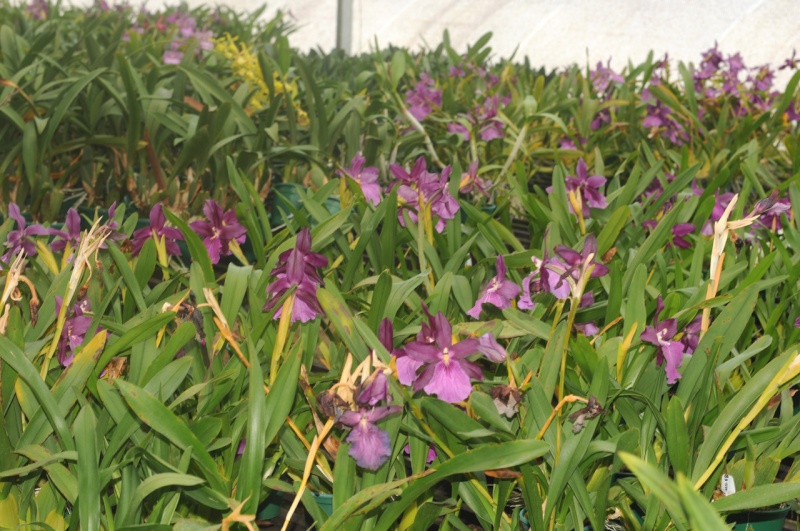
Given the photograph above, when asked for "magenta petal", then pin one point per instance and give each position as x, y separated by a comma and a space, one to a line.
449, 383
407, 369
422, 353
673, 353
490, 348
214, 248
369, 446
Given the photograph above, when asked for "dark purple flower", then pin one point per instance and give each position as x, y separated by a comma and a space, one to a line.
679, 231
498, 292
369, 445
71, 236
20, 239
586, 188
446, 371
75, 328
367, 178
691, 334
797, 323
241, 447
420, 189
660, 335
423, 97
660, 119
790, 63
219, 231
158, 230
298, 268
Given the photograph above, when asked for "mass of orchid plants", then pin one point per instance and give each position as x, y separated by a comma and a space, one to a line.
442, 289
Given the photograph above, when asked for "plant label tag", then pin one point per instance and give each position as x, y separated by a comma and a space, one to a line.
727, 485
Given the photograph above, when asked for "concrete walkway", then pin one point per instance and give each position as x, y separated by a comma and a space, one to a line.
555, 33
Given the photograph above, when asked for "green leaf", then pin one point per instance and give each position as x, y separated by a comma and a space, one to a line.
17, 360
487, 457
612, 228
339, 314
196, 247
156, 415
88, 472
759, 497
677, 437
281, 396
702, 515
249, 489
398, 67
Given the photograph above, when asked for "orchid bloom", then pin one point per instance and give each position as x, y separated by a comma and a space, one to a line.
369, 445
219, 231
74, 331
71, 236
660, 335
421, 189
298, 268
498, 292
158, 229
367, 178
20, 238
446, 372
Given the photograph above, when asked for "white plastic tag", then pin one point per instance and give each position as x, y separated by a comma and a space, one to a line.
727, 485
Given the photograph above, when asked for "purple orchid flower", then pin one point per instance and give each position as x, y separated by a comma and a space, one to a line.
470, 182
446, 372
71, 236
679, 231
587, 329
431, 453
157, 228
660, 335
74, 331
770, 215
20, 239
571, 264
367, 178
298, 268
421, 188
406, 367
38, 9
498, 292
369, 445
604, 78
691, 334
423, 97
219, 231
797, 323
587, 188
173, 55
484, 117
491, 349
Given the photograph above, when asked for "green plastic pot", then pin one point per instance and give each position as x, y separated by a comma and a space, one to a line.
759, 520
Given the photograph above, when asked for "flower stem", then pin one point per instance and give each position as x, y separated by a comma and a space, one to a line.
280, 340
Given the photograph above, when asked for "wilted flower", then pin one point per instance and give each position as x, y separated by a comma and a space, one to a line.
367, 178
506, 399
157, 230
20, 238
369, 445
660, 335
421, 189
219, 231
75, 328
298, 268
498, 292
579, 418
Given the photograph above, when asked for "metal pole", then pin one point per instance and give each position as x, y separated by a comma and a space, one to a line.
344, 25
